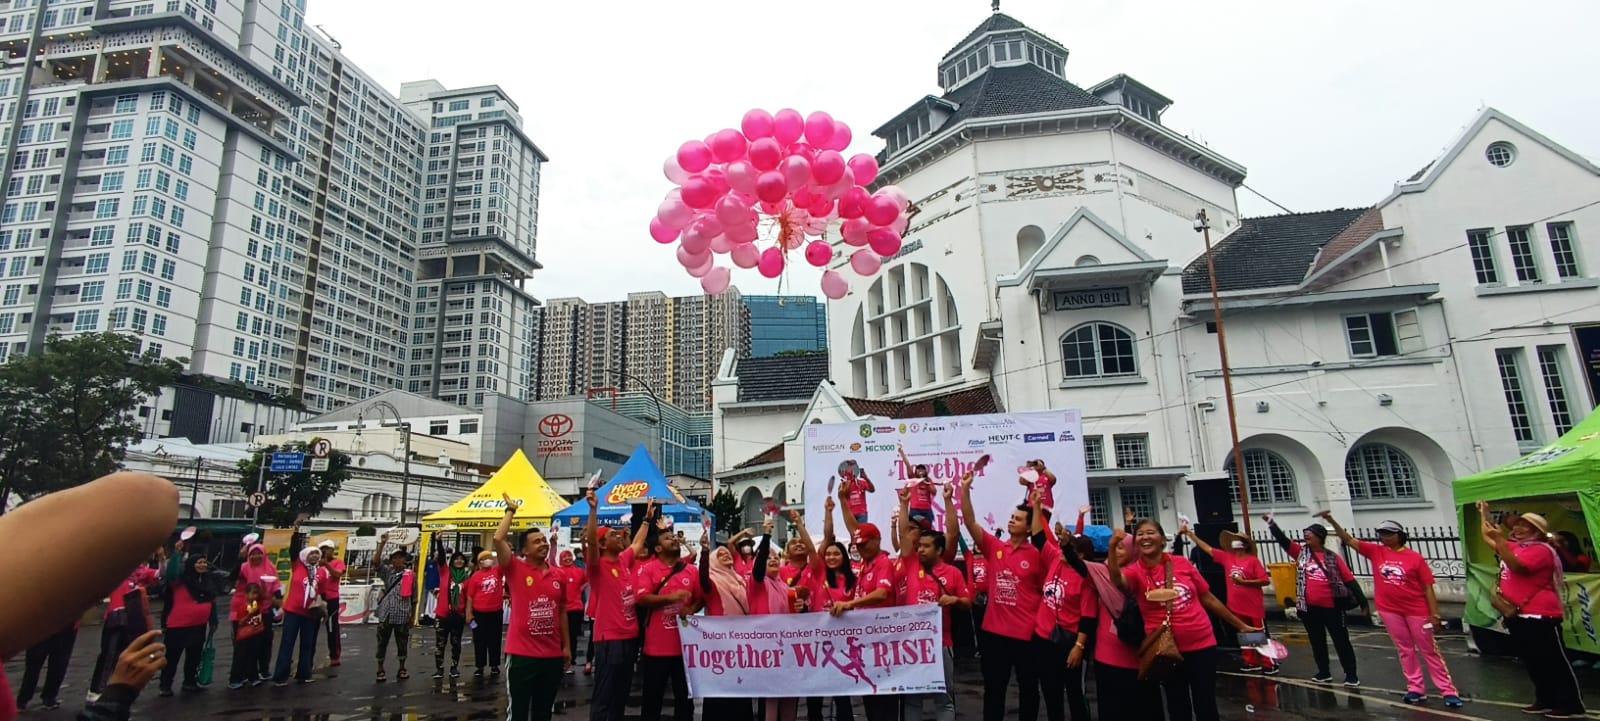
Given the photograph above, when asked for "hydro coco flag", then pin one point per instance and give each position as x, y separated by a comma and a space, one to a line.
894, 650
949, 446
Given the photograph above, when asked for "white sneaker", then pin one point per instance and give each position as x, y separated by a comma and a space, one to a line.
91, 697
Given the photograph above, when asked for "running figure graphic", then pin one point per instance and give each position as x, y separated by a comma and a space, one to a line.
856, 668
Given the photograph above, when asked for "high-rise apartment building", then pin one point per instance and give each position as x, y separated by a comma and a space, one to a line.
229, 187
786, 323
650, 342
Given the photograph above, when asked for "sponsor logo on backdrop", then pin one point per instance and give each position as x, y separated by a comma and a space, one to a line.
1001, 439
834, 447
624, 492
855, 447
488, 504
887, 429
997, 423
880, 448
976, 443
916, 427
866, 430
902, 428
1039, 438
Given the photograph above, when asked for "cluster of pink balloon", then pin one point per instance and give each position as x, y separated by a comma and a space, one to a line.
773, 187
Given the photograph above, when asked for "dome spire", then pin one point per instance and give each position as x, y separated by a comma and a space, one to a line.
995, 5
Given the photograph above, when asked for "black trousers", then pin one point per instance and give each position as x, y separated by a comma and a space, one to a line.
1191, 690
1321, 624
881, 708
1057, 682
487, 638
183, 644
588, 655
613, 678
726, 709
1122, 695
449, 633
264, 660
1537, 642
842, 710
248, 656
575, 633
532, 684
1001, 656
658, 672
55, 652
335, 643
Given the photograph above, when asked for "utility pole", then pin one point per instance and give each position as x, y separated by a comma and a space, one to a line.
405, 477
1203, 225
194, 494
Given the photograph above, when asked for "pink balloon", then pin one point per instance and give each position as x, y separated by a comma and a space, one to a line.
765, 154
674, 214
742, 176
820, 207
721, 245
881, 210
841, 137
694, 242
796, 170
718, 178
828, 168
853, 203
745, 255
884, 242
694, 156
900, 224
865, 167
802, 198
701, 270
698, 193
728, 145
708, 225
715, 281
855, 231
742, 233
804, 151
661, 233
894, 192
787, 126
834, 285
771, 263
773, 208
757, 124
818, 253
771, 187
731, 212
865, 262
691, 260
819, 128
673, 171
837, 190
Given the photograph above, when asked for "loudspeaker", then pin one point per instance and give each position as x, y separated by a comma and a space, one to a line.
1212, 504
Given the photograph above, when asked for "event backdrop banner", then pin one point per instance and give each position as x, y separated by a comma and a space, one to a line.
878, 651
950, 446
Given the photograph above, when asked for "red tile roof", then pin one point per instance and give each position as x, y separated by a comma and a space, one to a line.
771, 455
1362, 228
959, 403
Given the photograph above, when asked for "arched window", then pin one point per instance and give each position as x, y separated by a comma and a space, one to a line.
1097, 350
1270, 476
751, 505
1379, 471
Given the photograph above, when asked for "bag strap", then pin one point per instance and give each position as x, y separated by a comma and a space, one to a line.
1170, 587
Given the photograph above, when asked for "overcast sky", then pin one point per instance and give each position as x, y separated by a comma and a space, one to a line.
1326, 104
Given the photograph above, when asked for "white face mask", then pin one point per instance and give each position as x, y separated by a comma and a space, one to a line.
487, 563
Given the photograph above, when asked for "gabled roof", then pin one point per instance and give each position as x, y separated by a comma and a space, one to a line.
994, 23
410, 405
780, 378
771, 455
1082, 215
1364, 227
1421, 181
957, 403
1271, 251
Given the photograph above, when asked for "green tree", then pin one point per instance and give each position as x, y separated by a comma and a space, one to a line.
70, 410
291, 494
726, 509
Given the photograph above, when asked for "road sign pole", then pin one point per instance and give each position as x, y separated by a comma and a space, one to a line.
261, 485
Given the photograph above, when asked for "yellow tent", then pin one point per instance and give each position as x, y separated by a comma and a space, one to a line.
482, 509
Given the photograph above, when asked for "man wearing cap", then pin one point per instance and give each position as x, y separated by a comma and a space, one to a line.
330, 595
394, 606
609, 561
874, 589
1247, 578
537, 650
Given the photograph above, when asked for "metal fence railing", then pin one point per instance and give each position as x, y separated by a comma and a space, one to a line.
1440, 545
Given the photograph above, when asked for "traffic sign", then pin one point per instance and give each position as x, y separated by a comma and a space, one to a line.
287, 462
258, 500
319, 465
323, 448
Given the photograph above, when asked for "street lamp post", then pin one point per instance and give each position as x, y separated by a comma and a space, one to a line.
661, 450
404, 426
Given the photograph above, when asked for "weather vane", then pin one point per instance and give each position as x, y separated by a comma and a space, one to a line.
995, 4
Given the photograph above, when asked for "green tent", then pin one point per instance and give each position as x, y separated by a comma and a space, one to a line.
1561, 482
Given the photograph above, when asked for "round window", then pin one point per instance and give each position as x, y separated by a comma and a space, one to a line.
1501, 154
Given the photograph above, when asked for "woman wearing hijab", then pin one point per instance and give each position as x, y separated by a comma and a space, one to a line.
1321, 595
1531, 582
451, 611
486, 597
257, 570
251, 630
191, 591
303, 609
725, 592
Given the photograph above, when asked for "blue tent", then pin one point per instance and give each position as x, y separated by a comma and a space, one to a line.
639, 481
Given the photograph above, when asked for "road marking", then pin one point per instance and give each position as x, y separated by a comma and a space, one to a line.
1355, 694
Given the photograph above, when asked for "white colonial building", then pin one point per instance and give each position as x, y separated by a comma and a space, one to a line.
1053, 261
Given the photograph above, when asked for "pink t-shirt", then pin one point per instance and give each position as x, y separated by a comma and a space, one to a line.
1319, 589
978, 569
856, 500
265, 576
1046, 485
333, 572
1534, 589
537, 598
661, 633
1016, 578
922, 495
1109, 649
917, 586
1401, 579
792, 574
1067, 597
186, 612
305, 585
611, 584
485, 591
875, 574
1191, 627
577, 580
143, 579
824, 596
1247, 602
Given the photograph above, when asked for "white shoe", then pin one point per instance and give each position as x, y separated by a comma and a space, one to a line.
91, 697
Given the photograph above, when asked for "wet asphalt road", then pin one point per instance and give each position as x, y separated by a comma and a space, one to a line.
1494, 687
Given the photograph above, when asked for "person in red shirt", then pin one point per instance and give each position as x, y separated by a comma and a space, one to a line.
1119, 691
1042, 484
874, 589
1171, 590
577, 580
922, 490
1065, 621
123, 623
537, 649
486, 594
1246, 579
333, 572
1322, 581
829, 580
667, 588
1403, 584
451, 609
256, 569
857, 485
924, 578
1015, 575
302, 608
1531, 580
609, 561
191, 592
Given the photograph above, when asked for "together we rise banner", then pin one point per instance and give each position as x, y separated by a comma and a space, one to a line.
950, 446
866, 652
